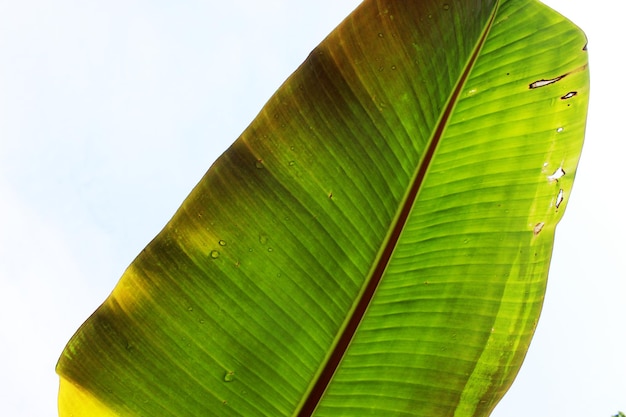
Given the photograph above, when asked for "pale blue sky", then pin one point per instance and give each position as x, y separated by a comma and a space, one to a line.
110, 112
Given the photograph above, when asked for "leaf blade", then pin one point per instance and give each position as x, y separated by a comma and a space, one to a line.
247, 288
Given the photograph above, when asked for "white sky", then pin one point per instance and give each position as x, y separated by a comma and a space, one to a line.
110, 112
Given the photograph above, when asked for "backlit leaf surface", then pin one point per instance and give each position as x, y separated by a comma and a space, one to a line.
377, 241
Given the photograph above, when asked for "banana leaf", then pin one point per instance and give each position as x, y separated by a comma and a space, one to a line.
375, 243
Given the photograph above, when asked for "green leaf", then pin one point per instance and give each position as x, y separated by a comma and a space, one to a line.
377, 241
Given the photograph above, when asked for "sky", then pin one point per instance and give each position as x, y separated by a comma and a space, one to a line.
110, 112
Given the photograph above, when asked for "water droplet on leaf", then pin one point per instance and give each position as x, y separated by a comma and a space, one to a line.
229, 376
214, 254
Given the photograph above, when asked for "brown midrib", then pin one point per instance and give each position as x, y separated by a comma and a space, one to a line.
334, 359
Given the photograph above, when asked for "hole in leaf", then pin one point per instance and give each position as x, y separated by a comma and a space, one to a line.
559, 198
559, 173
569, 95
543, 82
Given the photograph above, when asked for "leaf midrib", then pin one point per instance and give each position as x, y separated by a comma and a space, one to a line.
352, 322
